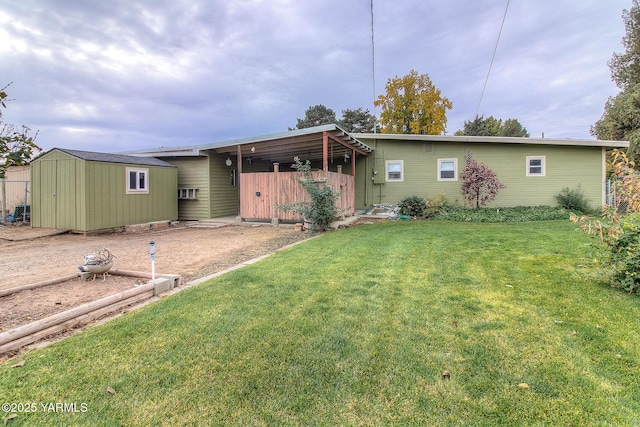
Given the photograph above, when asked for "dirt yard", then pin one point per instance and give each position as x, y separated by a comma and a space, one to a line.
26, 257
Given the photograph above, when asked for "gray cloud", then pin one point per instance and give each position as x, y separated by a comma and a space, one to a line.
120, 75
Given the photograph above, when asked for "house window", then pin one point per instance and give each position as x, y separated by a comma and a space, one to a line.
187, 193
536, 165
447, 169
137, 181
394, 169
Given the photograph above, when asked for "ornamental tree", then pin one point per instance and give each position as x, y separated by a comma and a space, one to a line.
480, 185
16, 146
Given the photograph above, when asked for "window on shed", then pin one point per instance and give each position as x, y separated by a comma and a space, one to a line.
535, 165
137, 181
394, 169
447, 169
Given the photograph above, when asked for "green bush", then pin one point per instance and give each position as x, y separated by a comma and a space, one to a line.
412, 206
619, 231
439, 201
573, 200
322, 210
515, 214
623, 252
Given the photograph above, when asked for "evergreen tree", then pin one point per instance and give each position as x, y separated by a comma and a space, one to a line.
492, 127
621, 117
316, 115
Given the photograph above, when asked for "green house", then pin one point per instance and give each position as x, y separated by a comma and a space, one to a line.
236, 177
87, 191
534, 170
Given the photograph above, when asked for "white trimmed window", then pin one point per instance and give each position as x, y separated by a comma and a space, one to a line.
137, 181
394, 170
536, 165
447, 169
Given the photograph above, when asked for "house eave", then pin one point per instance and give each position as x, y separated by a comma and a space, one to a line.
494, 140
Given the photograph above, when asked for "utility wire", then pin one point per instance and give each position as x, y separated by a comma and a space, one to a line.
492, 58
373, 70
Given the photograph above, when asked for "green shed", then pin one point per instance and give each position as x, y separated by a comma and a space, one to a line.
88, 191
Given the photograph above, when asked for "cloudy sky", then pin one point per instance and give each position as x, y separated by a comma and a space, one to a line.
126, 74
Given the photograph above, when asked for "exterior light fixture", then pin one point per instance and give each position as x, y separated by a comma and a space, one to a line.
228, 161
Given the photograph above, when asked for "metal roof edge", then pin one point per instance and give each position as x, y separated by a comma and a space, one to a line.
497, 140
95, 156
286, 134
166, 152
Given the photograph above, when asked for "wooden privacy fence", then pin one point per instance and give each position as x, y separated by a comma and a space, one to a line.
261, 192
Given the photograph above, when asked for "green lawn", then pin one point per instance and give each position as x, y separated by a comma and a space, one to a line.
356, 328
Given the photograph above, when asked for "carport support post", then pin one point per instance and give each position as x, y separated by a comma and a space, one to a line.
325, 152
353, 163
276, 219
239, 152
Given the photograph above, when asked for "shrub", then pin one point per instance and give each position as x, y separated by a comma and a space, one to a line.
515, 214
573, 200
480, 184
436, 204
618, 232
624, 252
621, 255
321, 210
412, 206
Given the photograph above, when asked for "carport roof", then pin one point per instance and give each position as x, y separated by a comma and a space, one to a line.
276, 147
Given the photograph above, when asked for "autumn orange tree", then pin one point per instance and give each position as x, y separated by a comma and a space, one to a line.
413, 105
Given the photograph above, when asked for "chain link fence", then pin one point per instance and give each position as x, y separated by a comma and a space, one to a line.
15, 201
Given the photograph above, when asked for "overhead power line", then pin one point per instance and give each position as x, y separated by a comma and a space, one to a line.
373, 69
492, 58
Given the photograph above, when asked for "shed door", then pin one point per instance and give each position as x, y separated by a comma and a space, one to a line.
58, 193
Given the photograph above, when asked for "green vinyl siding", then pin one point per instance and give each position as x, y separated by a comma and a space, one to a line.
193, 172
565, 166
216, 195
225, 197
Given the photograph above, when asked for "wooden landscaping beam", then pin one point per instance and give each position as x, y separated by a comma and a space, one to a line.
5, 292
22, 331
72, 323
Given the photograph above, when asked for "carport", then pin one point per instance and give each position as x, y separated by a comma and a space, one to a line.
331, 151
